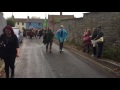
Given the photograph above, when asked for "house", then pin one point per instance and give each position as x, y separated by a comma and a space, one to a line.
20, 23
34, 23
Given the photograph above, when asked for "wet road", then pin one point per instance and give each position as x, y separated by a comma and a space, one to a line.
35, 62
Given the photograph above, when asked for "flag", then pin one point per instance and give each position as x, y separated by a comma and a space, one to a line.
45, 23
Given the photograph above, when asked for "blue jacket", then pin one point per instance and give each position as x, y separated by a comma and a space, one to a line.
64, 36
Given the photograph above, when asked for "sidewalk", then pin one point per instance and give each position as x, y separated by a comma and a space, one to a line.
109, 65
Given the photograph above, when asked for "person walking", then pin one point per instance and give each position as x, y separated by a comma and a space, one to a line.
49, 39
10, 49
61, 36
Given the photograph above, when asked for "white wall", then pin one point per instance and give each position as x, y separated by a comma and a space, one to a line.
3, 23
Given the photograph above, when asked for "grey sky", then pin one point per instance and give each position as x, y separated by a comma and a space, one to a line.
40, 14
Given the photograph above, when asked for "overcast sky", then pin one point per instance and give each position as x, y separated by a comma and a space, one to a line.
40, 14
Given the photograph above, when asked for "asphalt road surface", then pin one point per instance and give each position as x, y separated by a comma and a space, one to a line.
35, 62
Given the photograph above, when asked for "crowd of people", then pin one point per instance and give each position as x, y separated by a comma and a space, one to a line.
9, 47
95, 39
37, 33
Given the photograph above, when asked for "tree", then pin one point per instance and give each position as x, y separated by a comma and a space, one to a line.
23, 28
10, 22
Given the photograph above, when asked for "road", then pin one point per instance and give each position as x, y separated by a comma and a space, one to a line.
35, 62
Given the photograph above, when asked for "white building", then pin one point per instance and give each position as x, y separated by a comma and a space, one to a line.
20, 23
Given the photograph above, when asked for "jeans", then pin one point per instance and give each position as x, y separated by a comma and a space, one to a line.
100, 49
61, 45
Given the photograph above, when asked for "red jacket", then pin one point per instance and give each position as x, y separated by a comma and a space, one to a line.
86, 38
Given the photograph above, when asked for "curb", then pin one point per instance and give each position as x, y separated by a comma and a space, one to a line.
98, 64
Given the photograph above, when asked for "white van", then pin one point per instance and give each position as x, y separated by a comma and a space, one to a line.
18, 34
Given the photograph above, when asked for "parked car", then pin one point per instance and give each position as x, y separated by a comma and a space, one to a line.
18, 33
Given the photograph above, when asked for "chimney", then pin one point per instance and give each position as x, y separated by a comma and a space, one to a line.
60, 13
27, 17
13, 17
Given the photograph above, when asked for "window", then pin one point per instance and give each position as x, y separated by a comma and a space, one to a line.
18, 23
39, 24
22, 23
29, 23
22, 28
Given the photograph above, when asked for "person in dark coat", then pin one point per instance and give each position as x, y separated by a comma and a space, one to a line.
40, 33
100, 44
44, 36
49, 39
94, 35
9, 43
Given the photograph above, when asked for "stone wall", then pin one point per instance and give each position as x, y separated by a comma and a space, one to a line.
110, 22
2, 22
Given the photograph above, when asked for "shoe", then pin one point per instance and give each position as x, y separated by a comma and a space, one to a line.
12, 76
92, 55
60, 51
99, 58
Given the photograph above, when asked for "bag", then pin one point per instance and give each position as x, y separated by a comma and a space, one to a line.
86, 38
93, 43
100, 40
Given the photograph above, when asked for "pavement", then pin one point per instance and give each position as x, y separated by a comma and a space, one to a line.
107, 64
1, 67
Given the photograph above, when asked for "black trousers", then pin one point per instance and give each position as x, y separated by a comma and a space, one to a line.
48, 44
100, 49
86, 47
61, 45
94, 50
9, 62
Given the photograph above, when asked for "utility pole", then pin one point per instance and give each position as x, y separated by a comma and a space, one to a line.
60, 13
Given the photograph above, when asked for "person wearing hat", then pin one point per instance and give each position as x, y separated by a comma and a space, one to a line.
10, 49
61, 36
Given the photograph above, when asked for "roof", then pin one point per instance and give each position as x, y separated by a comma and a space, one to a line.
20, 20
72, 19
34, 20
60, 17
